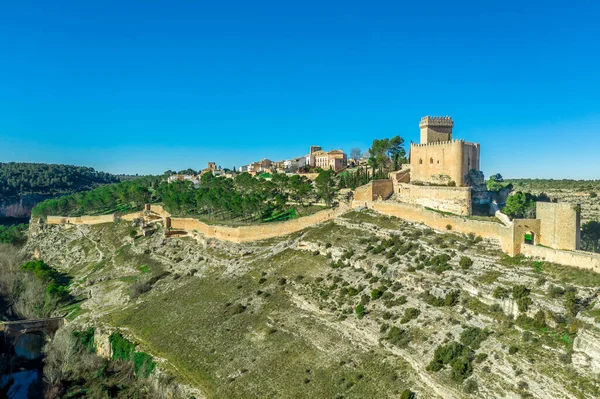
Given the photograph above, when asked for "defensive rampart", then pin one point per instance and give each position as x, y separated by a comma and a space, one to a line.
581, 259
439, 221
455, 200
81, 219
374, 190
256, 232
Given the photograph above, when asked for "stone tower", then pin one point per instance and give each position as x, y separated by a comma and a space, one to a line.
436, 128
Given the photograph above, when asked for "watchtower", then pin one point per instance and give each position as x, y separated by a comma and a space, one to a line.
435, 129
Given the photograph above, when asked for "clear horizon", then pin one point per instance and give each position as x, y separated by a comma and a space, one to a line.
139, 88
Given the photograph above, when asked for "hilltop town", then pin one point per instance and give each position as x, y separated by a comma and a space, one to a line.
382, 276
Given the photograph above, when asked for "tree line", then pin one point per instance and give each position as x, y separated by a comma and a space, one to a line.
126, 196
18, 179
245, 197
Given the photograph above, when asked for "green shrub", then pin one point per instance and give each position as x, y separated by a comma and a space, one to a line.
473, 337
398, 337
480, 357
360, 311
539, 320
571, 301
520, 291
461, 368
524, 303
555, 291
512, 350
376, 293
407, 394
458, 356
143, 364
465, 262
470, 386
86, 339
121, 347
500, 293
410, 314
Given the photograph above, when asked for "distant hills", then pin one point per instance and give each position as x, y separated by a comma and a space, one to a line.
23, 185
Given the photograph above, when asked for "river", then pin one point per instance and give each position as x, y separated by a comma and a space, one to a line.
25, 381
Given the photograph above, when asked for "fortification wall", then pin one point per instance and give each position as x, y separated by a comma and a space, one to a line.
437, 163
520, 227
374, 190
80, 220
131, 216
438, 221
585, 260
256, 232
158, 209
560, 225
442, 162
455, 200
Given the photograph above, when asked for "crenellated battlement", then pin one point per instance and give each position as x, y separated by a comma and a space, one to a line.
441, 121
436, 143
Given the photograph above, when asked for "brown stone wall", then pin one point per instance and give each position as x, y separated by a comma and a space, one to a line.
559, 225
158, 209
438, 221
455, 200
81, 219
364, 193
442, 162
256, 232
585, 260
520, 227
376, 189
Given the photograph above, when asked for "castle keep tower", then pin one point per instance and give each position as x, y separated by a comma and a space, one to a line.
438, 159
436, 128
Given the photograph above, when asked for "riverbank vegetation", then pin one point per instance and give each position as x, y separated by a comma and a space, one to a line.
29, 290
73, 369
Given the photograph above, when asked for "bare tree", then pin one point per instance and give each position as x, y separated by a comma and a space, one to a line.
355, 154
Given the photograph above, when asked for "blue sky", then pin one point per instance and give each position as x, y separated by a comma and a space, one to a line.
146, 86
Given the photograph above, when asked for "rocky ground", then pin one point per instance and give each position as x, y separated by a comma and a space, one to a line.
364, 306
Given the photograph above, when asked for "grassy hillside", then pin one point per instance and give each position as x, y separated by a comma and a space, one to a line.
366, 306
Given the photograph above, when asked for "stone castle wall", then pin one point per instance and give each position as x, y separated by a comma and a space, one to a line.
439, 221
455, 200
80, 219
585, 260
256, 232
560, 225
374, 190
442, 162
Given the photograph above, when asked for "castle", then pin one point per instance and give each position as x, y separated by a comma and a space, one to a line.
439, 159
